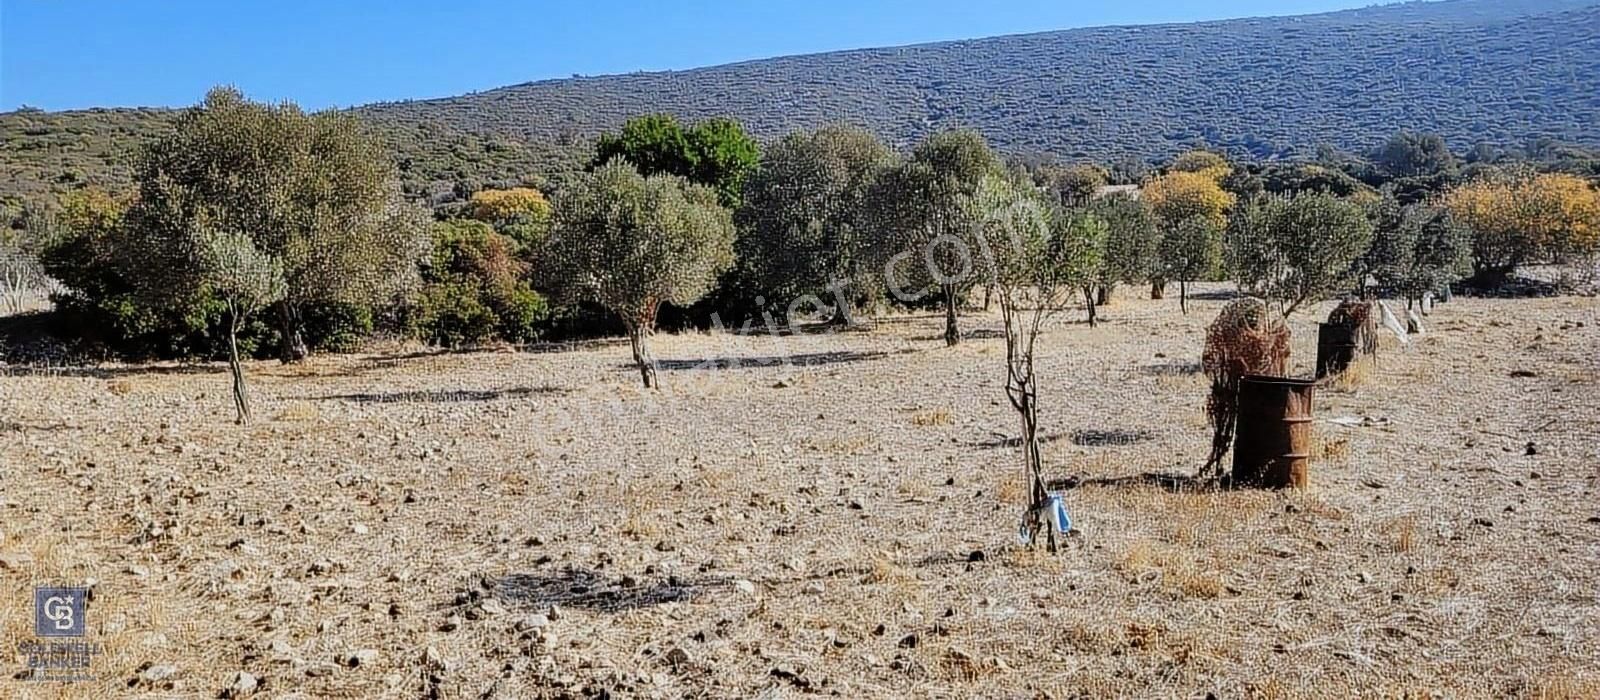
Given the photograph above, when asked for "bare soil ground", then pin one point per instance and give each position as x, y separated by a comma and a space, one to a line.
841, 525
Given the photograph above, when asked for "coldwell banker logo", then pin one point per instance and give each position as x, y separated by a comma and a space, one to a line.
58, 612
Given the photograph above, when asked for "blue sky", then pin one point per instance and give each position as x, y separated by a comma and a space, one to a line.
68, 54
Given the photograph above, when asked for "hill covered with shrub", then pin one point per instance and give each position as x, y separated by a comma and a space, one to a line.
1473, 71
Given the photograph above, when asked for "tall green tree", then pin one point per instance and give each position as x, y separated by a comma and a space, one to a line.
1295, 249
1415, 154
631, 243
1132, 243
920, 222
314, 192
1190, 250
800, 229
715, 152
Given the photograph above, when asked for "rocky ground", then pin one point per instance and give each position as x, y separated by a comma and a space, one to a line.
533, 524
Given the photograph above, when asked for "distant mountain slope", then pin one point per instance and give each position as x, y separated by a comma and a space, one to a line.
1474, 71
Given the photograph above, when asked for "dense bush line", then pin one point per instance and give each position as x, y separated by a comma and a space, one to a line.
218, 248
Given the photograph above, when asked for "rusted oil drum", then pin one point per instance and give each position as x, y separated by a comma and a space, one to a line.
1273, 444
1337, 347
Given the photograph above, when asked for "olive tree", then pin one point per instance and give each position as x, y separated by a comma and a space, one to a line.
245, 280
1294, 249
1415, 249
22, 276
917, 215
799, 232
1036, 263
1190, 250
314, 191
631, 243
1132, 243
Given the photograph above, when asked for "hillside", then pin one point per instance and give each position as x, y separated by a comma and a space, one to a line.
1474, 71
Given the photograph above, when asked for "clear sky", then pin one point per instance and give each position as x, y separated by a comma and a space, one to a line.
68, 54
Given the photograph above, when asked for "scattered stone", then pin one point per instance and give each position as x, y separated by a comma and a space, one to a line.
677, 656
976, 555
492, 607
814, 588
432, 659
1364, 577
158, 673
451, 624
1483, 522
783, 384
745, 587
243, 685
14, 561
359, 529
533, 622
319, 670
361, 657
908, 642
1523, 374
1531, 449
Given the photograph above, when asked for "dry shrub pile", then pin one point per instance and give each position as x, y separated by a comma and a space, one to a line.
1247, 338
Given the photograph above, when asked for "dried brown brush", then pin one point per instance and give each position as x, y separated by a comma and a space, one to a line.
1247, 338
1358, 315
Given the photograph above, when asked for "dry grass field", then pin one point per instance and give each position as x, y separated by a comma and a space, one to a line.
533, 524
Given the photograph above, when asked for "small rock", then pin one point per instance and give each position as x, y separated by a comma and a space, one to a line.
14, 561
677, 656
243, 684
976, 555
432, 659
782, 384
745, 587
1364, 577
1523, 374
158, 673
319, 670
359, 529
533, 622
1531, 449
361, 657
492, 607
1483, 522
451, 624
909, 641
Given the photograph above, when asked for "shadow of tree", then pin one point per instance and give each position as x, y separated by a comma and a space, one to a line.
1175, 483
1114, 436
441, 395
801, 360
1001, 441
109, 372
582, 588
1171, 369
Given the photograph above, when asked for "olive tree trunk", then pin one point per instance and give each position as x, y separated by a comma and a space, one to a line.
1088, 302
292, 345
638, 337
1158, 288
952, 333
241, 397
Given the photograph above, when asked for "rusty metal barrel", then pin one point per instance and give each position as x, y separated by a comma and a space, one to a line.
1273, 444
1337, 347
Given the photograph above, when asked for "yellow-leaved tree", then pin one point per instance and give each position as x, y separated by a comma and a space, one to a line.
1551, 217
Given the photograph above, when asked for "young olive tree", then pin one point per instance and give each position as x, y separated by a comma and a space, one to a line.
630, 243
1296, 249
22, 276
1036, 263
1132, 243
1190, 250
918, 219
245, 280
799, 234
